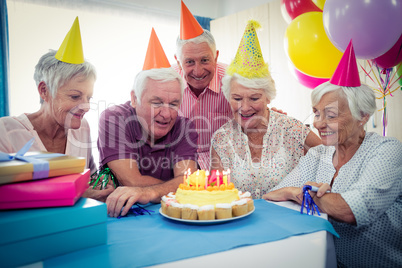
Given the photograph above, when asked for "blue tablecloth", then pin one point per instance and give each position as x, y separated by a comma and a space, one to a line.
153, 239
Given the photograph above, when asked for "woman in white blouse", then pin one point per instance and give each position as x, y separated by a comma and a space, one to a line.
362, 172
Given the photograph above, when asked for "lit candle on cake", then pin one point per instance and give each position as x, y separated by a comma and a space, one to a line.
188, 174
206, 179
217, 178
228, 172
184, 177
225, 178
197, 175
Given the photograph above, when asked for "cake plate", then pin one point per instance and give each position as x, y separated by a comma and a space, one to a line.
206, 222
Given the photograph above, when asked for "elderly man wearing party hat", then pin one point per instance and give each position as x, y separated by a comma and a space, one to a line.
144, 142
65, 83
203, 100
259, 146
358, 173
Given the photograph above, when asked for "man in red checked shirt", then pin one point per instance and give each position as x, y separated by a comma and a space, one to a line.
203, 101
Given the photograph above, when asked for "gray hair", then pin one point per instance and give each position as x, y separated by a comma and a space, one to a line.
361, 100
56, 73
265, 83
160, 74
206, 37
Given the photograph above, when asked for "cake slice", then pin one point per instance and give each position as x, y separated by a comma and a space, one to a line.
223, 211
206, 212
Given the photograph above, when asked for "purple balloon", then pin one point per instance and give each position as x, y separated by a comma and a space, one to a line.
374, 26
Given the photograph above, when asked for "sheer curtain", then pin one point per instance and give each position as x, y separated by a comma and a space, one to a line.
4, 66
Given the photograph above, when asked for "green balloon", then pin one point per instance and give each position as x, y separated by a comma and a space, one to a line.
399, 73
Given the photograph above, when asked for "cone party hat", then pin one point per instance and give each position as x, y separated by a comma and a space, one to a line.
347, 74
248, 61
189, 26
70, 50
155, 57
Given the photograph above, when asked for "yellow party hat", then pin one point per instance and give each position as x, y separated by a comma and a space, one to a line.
70, 50
248, 61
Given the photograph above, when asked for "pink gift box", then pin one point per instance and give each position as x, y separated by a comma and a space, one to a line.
52, 192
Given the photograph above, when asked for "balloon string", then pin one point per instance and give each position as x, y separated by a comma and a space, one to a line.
384, 87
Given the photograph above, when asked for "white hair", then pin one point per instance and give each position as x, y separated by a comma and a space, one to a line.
361, 100
57, 73
160, 74
206, 37
265, 83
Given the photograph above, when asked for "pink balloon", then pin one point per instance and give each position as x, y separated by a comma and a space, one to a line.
293, 8
306, 80
374, 26
392, 57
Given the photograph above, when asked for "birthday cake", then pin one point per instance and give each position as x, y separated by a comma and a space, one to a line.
202, 196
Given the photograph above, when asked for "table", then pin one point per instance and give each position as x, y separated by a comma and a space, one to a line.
272, 254
308, 250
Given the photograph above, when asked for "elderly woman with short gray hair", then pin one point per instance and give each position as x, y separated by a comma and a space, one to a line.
259, 146
58, 126
358, 175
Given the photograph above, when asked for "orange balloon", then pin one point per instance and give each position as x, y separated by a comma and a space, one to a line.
309, 48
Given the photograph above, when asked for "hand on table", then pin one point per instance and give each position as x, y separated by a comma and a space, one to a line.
98, 194
285, 194
125, 196
323, 188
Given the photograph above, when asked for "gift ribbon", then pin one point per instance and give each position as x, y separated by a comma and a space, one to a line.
40, 167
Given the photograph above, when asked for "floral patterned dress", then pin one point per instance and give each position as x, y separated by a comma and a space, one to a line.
283, 145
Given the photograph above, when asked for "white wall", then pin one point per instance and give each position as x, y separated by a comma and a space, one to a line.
205, 8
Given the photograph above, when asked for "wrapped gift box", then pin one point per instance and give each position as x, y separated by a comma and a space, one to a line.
17, 170
32, 235
52, 192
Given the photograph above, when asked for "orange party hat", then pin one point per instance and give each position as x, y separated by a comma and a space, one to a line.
347, 74
189, 26
70, 50
156, 57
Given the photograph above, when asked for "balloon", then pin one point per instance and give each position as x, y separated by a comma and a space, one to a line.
308, 81
374, 26
392, 57
319, 3
399, 72
293, 8
309, 48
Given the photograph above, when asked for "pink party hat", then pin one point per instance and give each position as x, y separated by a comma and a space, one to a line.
347, 74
